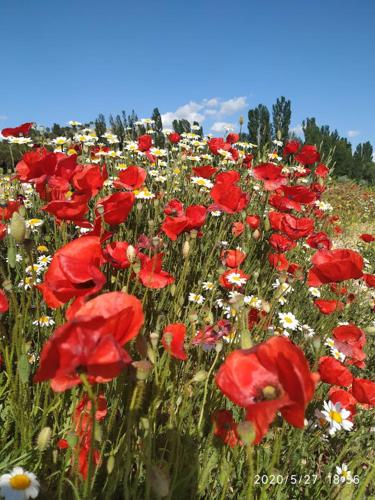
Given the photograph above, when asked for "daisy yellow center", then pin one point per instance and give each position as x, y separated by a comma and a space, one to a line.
288, 320
336, 416
20, 482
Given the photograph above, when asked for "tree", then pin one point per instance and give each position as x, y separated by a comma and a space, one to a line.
259, 126
181, 126
158, 127
100, 125
281, 115
363, 165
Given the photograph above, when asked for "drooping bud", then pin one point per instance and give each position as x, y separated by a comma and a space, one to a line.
44, 438
18, 227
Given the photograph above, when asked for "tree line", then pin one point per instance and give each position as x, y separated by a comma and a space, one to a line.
262, 128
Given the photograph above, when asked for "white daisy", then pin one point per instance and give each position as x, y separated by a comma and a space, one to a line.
288, 320
196, 297
236, 279
315, 292
337, 417
19, 485
207, 285
44, 321
344, 473
201, 181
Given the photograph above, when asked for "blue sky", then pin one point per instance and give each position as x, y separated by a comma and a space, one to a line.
214, 59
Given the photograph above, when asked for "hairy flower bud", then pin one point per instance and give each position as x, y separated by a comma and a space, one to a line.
18, 227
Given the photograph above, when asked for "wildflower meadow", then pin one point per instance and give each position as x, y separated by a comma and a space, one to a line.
183, 317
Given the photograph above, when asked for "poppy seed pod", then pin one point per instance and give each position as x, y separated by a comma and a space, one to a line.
18, 227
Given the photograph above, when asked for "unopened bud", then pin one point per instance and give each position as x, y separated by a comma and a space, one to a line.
256, 234
7, 285
18, 227
143, 369
172, 289
154, 337
193, 234
11, 256
185, 249
219, 347
110, 464
241, 120
131, 253
151, 354
200, 376
266, 306
44, 438
267, 225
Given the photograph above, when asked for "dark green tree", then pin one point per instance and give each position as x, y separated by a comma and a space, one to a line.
281, 116
363, 165
158, 127
259, 126
100, 125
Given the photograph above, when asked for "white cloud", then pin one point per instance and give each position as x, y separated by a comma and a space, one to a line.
298, 130
190, 112
3, 117
231, 106
198, 111
221, 127
353, 133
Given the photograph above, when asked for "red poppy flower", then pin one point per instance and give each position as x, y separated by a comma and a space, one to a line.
319, 240
174, 226
349, 339
232, 258
271, 175
174, 207
321, 170
335, 266
217, 143
206, 171
229, 197
71, 210
89, 179
174, 138
272, 376
131, 178
278, 261
225, 427
115, 254
364, 391
238, 228
8, 209
173, 340
73, 272
283, 203
329, 306
144, 142
23, 129
296, 228
115, 208
151, 273
333, 372
369, 279
232, 138
194, 218
253, 221
345, 399
233, 278
291, 148
308, 155
4, 305
275, 219
367, 238
74, 349
281, 243
114, 313
3, 230
91, 342
300, 194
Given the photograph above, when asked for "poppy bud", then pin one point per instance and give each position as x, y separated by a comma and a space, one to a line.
256, 234
110, 464
7, 285
241, 120
131, 253
193, 234
200, 376
185, 249
44, 438
267, 225
143, 369
173, 289
11, 255
266, 306
219, 347
18, 227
